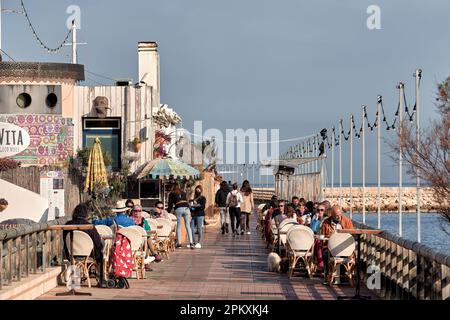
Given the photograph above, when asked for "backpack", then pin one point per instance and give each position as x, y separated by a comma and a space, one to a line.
122, 256
233, 200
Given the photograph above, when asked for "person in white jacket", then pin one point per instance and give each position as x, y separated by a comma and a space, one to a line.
234, 200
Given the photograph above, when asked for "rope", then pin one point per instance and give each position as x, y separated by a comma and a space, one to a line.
33, 30
3, 51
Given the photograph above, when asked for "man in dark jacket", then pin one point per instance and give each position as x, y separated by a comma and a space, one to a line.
221, 199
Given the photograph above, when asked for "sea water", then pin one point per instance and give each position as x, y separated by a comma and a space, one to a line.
435, 230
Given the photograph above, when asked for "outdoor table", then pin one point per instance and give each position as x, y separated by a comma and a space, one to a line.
71, 228
358, 233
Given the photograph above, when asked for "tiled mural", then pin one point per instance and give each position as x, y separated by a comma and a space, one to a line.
51, 138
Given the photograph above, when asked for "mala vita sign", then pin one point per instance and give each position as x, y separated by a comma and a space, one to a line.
13, 139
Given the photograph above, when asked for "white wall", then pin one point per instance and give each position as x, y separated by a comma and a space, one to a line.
22, 203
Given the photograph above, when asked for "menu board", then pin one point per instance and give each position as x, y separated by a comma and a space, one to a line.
52, 188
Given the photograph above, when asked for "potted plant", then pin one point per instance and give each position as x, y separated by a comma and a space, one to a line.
3, 204
137, 144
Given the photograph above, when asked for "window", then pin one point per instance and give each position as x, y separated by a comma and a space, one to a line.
109, 133
149, 189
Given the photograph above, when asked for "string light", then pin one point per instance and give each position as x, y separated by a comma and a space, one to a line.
42, 45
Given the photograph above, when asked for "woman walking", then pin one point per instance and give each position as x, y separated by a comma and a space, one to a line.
234, 200
178, 201
247, 206
198, 215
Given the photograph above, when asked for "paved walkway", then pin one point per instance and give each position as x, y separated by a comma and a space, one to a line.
227, 267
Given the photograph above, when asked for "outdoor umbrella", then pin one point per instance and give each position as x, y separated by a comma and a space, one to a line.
96, 171
165, 168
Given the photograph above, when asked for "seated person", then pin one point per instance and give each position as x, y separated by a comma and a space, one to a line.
336, 221
159, 212
80, 216
295, 204
317, 219
329, 226
139, 220
121, 219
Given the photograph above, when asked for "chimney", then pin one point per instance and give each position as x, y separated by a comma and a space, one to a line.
149, 68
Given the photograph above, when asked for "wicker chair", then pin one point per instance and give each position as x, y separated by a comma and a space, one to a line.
300, 247
136, 249
164, 234
341, 247
82, 248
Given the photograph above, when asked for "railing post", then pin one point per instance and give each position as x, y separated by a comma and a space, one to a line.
412, 273
445, 283
383, 270
27, 255
17, 259
10, 262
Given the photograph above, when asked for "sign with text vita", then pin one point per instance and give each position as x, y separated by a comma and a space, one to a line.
13, 139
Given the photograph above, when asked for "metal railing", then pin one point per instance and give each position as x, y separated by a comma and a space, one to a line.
29, 249
408, 269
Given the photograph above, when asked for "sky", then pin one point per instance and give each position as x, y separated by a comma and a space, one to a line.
293, 65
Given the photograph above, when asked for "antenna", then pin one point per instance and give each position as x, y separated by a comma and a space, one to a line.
74, 43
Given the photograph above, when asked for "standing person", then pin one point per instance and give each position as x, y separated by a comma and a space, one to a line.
221, 203
198, 205
178, 201
234, 200
230, 186
247, 207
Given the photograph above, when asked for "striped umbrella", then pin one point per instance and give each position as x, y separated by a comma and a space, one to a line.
161, 168
96, 173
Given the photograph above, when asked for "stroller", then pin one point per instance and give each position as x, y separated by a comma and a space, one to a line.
122, 263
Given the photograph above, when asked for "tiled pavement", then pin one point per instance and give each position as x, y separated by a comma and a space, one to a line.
226, 268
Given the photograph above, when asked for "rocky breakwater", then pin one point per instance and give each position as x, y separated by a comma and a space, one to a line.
389, 199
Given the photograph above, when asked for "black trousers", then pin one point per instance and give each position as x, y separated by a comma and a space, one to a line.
235, 218
245, 221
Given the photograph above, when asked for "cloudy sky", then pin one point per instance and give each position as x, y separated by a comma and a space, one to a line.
293, 65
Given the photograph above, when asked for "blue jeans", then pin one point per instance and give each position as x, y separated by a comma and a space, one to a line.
183, 212
199, 222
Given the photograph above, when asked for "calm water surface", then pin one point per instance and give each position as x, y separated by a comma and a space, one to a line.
435, 229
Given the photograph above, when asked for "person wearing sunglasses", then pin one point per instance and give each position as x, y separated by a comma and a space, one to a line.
280, 212
159, 212
317, 219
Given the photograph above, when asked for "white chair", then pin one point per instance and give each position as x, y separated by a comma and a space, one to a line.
107, 245
152, 223
341, 247
174, 220
308, 229
82, 247
164, 234
260, 207
136, 249
283, 228
300, 247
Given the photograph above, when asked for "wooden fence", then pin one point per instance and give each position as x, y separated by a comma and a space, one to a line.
29, 249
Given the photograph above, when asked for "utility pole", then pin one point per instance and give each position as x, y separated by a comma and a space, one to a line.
418, 76
400, 159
